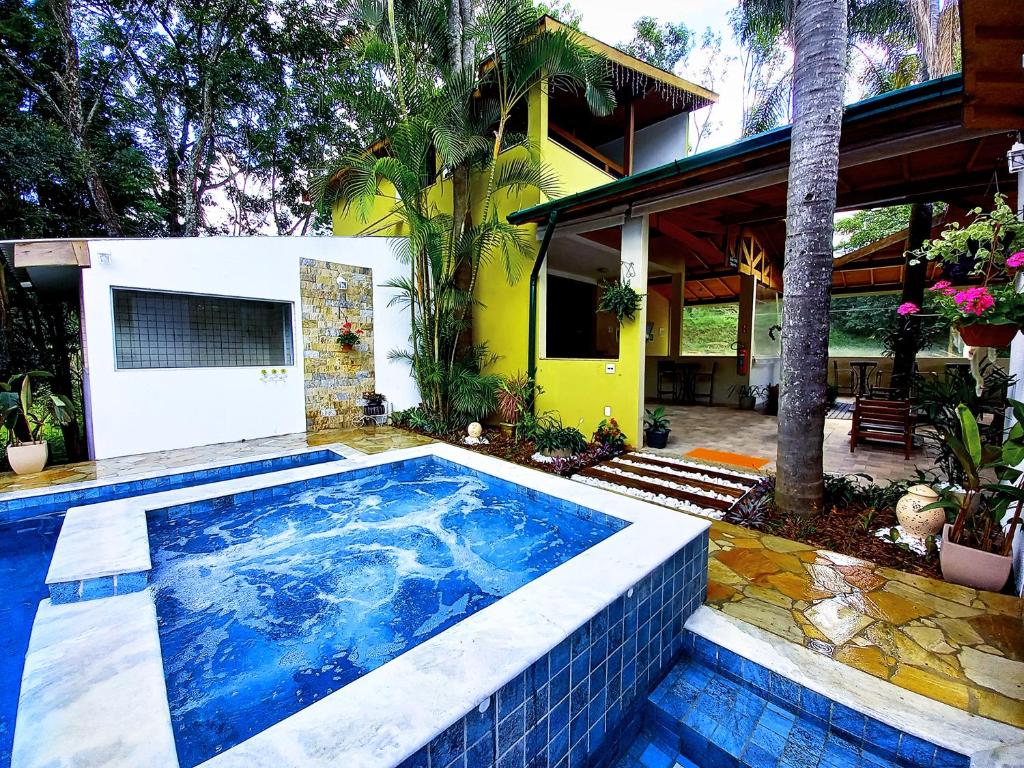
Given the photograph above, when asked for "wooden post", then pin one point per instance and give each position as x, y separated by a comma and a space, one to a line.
628, 139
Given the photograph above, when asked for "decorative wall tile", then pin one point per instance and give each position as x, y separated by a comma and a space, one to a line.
335, 379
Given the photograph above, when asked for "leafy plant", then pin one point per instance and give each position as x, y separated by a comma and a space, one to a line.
374, 398
610, 435
555, 438
751, 511
349, 337
19, 405
514, 397
619, 299
749, 390
656, 420
981, 507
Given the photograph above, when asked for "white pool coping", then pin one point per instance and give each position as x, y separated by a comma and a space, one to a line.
385, 716
988, 743
341, 449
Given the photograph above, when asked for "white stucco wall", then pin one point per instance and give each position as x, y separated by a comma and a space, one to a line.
656, 144
138, 411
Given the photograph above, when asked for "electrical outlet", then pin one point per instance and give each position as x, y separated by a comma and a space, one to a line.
609, 368
607, 410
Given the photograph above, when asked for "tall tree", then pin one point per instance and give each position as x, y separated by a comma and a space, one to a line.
819, 81
663, 44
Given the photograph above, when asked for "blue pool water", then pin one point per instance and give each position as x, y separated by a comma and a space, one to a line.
25, 550
267, 605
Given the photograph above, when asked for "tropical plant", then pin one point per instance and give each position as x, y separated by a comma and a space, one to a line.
619, 299
656, 420
820, 39
445, 117
373, 398
980, 506
21, 410
610, 435
554, 437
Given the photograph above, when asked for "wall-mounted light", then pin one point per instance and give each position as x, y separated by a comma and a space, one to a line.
1015, 157
342, 283
104, 258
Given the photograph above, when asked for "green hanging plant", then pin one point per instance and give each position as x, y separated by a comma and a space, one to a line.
620, 299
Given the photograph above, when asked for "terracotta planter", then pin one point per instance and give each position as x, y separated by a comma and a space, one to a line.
346, 347
914, 521
972, 567
988, 335
28, 458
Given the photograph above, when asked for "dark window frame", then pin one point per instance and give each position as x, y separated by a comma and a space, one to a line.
156, 330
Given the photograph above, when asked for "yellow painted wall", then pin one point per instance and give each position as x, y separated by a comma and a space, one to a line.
578, 390
658, 313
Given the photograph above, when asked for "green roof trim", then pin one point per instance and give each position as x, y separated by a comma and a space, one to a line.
861, 110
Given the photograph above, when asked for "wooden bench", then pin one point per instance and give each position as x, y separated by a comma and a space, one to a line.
886, 421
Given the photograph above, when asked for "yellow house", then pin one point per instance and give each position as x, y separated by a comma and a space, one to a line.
586, 366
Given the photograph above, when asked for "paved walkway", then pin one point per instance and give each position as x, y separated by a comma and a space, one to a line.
754, 434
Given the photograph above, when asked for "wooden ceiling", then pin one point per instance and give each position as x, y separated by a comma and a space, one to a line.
993, 63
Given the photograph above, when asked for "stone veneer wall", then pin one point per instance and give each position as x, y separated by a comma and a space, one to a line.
334, 379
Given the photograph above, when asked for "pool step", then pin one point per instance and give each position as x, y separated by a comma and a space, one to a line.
702, 716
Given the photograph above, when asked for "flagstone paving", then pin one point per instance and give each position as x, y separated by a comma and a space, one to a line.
366, 439
950, 643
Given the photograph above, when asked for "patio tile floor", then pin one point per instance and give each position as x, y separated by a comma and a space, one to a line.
753, 434
367, 439
950, 643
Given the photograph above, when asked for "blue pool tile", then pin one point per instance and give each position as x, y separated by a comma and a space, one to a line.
479, 724
511, 695
915, 751
560, 655
578, 727
536, 741
93, 589
851, 723
653, 757
945, 758
514, 757
65, 592
558, 689
558, 747
814, 704
783, 690
756, 756
511, 729
448, 745
418, 760
481, 753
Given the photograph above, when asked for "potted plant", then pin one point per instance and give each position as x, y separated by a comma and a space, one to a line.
373, 404
976, 549
557, 441
989, 250
348, 338
748, 395
17, 405
610, 436
514, 396
620, 299
656, 428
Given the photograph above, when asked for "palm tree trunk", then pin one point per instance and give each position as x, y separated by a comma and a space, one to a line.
818, 84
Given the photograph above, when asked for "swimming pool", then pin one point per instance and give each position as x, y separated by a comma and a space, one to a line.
265, 607
488, 598
25, 549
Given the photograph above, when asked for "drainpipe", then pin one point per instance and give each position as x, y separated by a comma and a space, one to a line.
531, 366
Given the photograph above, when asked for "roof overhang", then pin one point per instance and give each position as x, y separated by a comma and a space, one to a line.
992, 34
53, 267
905, 146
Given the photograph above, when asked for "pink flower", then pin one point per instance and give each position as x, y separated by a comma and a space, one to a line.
908, 308
974, 301
1016, 260
941, 285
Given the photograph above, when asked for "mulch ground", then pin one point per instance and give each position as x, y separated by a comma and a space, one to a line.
843, 531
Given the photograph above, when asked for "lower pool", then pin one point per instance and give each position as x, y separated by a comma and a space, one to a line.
267, 605
25, 550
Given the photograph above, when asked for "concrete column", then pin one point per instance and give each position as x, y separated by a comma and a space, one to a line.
675, 316
633, 336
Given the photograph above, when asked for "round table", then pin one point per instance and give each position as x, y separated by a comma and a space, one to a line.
862, 367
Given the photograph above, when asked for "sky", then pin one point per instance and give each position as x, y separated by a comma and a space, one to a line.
611, 21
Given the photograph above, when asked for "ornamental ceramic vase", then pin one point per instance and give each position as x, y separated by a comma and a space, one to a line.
28, 458
912, 519
988, 334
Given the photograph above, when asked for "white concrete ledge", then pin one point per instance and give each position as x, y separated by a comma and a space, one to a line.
102, 540
988, 743
93, 692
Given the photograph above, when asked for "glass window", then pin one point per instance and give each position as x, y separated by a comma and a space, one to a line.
710, 329
575, 329
153, 329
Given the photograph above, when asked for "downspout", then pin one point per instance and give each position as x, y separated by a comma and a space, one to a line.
531, 365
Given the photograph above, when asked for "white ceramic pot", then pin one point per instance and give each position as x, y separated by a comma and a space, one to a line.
971, 567
28, 457
914, 521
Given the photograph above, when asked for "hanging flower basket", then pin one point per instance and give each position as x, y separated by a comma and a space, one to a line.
988, 334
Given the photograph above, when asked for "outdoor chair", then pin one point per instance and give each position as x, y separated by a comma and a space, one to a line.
885, 421
842, 388
668, 381
702, 378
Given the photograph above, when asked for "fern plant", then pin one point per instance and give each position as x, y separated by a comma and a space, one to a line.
620, 299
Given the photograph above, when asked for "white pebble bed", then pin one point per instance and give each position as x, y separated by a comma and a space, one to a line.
657, 498
668, 484
684, 474
698, 467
